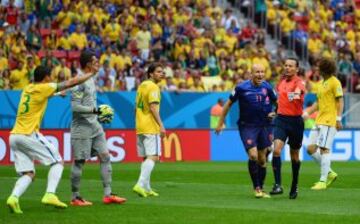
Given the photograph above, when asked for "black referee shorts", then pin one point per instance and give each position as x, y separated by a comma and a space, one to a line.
289, 128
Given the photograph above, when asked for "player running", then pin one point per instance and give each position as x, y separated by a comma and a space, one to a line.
255, 98
330, 104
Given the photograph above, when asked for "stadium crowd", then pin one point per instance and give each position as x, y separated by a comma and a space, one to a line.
322, 28
203, 46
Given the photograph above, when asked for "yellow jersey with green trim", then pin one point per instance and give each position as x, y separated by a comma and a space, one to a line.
32, 106
328, 92
147, 93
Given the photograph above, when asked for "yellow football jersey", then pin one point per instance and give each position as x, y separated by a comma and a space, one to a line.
32, 107
147, 93
327, 94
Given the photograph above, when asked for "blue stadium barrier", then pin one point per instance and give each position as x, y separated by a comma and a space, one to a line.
228, 147
178, 110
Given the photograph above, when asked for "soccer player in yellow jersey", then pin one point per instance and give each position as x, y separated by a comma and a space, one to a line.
28, 144
330, 104
149, 128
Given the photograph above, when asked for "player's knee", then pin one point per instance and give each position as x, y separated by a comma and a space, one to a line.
294, 154
262, 162
311, 149
153, 158
253, 156
31, 174
104, 158
277, 152
79, 163
324, 151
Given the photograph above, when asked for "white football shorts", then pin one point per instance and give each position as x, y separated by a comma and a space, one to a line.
28, 148
148, 145
322, 136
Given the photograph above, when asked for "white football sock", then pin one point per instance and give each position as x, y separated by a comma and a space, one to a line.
21, 185
146, 169
317, 157
325, 166
54, 177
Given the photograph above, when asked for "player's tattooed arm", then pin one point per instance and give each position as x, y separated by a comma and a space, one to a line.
73, 82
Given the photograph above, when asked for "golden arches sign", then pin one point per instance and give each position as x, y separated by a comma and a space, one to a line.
168, 141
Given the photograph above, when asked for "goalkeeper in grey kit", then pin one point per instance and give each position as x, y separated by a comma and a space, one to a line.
87, 134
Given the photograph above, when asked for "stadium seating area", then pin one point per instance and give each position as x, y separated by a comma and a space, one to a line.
320, 29
203, 46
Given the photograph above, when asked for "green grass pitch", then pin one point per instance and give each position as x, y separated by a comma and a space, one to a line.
209, 192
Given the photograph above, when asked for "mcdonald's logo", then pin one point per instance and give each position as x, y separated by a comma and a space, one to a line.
168, 142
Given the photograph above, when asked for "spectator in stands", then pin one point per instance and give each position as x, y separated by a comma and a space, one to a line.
344, 69
78, 39
106, 72
4, 79
112, 30
19, 77
228, 18
143, 38
12, 14
24, 23
4, 64
212, 63
169, 86
30, 67
49, 60
33, 38
197, 86
356, 63
51, 41
61, 72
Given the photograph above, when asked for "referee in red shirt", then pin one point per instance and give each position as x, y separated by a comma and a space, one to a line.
289, 124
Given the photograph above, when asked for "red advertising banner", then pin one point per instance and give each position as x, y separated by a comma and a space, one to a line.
177, 145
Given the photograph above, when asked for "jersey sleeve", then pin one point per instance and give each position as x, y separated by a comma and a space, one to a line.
271, 92
235, 94
154, 94
300, 84
77, 93
48, 89
337, 89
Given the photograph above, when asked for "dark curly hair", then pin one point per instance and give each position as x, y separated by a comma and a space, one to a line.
327, 67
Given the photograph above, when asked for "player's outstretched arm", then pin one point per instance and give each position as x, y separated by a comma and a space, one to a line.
310, 110
226, 109
74, 81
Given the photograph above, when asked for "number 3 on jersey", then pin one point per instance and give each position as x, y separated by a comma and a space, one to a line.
26, 104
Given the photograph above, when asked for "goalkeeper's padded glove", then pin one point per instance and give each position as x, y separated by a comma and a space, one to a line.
106, 113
